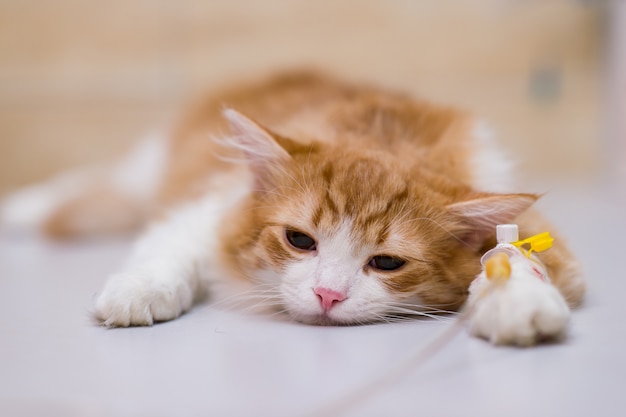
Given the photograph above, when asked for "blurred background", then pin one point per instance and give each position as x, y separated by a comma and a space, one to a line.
81, 80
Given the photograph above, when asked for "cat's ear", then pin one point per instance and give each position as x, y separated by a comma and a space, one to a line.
479, 216
260, 147
255, 141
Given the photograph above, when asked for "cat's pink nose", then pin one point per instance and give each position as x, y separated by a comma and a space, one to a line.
328, 297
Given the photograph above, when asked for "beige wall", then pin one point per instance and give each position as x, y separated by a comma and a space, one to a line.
80, 79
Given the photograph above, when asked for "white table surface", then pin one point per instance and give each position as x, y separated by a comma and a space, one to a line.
55, 362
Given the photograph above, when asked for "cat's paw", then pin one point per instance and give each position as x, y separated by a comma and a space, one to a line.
521, 312
26, 210
139, 299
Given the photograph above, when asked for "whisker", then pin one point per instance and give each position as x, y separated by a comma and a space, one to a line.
428, 308
396, 319
409, 312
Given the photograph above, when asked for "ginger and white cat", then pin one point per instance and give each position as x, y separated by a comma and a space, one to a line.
334, 203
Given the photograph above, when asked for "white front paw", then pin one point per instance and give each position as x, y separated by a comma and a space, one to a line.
140, 299
519, 312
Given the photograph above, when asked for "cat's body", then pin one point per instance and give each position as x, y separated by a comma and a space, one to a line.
334, 203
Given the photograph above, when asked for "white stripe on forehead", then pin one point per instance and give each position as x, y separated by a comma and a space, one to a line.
338, 240
338, 259
491, 167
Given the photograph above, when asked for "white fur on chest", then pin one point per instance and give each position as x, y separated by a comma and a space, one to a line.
491, 167
191, 230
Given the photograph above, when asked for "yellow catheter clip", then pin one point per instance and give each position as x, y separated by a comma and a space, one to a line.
537, 243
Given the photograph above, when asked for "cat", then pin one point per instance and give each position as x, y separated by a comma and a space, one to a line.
337, 204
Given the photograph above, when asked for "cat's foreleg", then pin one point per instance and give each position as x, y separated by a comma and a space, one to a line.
522, 311
166, 270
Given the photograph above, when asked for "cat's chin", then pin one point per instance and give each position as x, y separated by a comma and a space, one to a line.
325, 320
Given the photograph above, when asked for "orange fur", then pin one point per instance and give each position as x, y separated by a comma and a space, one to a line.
398, 168
99, 210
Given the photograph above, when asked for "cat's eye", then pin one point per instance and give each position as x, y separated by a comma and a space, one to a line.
386, 263
300, 240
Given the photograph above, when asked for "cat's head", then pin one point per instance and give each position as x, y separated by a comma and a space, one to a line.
347, 234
